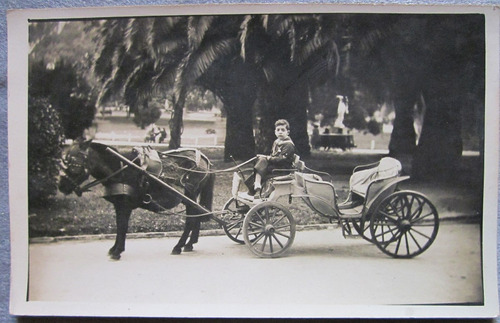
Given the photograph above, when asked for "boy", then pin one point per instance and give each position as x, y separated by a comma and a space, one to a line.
281, 157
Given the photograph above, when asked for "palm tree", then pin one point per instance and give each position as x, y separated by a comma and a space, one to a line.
139, 57
291, 54
172, 54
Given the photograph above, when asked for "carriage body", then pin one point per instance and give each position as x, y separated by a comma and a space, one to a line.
402, 224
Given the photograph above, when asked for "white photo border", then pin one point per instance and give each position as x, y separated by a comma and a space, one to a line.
17, 125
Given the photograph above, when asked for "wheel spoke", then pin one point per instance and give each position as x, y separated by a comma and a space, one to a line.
413, 221
391, 231
277, 240
257, 239
266, 211
417, 212
271, 243
407, 245
286, 225
255, 224
279, 220
397, 246
238, 233
234, 224
388, 216
415, 240
264, 244
397, 205
282, 234
422, 234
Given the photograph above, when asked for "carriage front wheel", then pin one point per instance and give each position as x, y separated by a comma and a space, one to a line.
233, 217
404, 224
269, 229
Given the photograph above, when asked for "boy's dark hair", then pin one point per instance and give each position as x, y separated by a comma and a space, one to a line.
282, 122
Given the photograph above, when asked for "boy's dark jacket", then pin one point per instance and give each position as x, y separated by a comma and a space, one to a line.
282, 153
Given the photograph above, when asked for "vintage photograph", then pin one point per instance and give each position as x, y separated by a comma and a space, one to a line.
241, 161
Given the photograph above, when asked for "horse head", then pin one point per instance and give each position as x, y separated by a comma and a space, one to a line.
75, 167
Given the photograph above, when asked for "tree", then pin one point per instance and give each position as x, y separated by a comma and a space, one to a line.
409, 57
66, 92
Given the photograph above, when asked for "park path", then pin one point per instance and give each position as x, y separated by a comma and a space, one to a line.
322, 271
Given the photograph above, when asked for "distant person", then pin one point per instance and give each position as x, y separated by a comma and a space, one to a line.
163, 135
153, 134
325, 141
282, 155
315, 138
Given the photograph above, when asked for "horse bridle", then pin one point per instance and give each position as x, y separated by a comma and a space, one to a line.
70, 162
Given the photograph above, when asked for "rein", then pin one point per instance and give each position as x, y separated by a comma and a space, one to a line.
79, 188
96, 182
230, 169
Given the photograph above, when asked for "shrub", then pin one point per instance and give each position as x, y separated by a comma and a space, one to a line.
45, 140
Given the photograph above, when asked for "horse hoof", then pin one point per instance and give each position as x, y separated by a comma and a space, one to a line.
115, 257
176, 251
188, 248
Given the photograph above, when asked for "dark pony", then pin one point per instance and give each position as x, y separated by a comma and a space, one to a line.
128, 188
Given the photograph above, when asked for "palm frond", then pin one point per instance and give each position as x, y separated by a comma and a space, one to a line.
110, 42
202, 59
265, 21
244, 34
310, 46
197, 27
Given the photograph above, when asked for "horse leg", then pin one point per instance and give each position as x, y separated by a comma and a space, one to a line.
195, 233
182, 241
122, 218
206, 197
189, 226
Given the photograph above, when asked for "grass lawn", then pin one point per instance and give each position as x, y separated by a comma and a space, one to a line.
90, 214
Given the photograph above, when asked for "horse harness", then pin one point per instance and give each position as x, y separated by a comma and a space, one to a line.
72, 162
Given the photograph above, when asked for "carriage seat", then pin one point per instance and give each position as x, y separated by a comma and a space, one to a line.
319, 194
297, 165
386, 168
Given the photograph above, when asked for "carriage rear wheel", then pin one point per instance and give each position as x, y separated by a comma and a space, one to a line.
269, 229
404, 224
234, 219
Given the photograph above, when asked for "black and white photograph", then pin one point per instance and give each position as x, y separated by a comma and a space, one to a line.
265, 161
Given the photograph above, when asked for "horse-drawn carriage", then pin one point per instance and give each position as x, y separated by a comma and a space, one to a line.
401, 223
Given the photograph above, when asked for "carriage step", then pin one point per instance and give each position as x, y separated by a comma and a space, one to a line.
352, 236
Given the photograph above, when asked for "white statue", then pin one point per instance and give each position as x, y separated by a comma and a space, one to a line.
343, 108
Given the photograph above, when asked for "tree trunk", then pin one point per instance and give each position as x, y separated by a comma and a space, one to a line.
403, 138
296, 101
239, 143
175, 122
265, 116
285, 100
234, 83
440, 146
